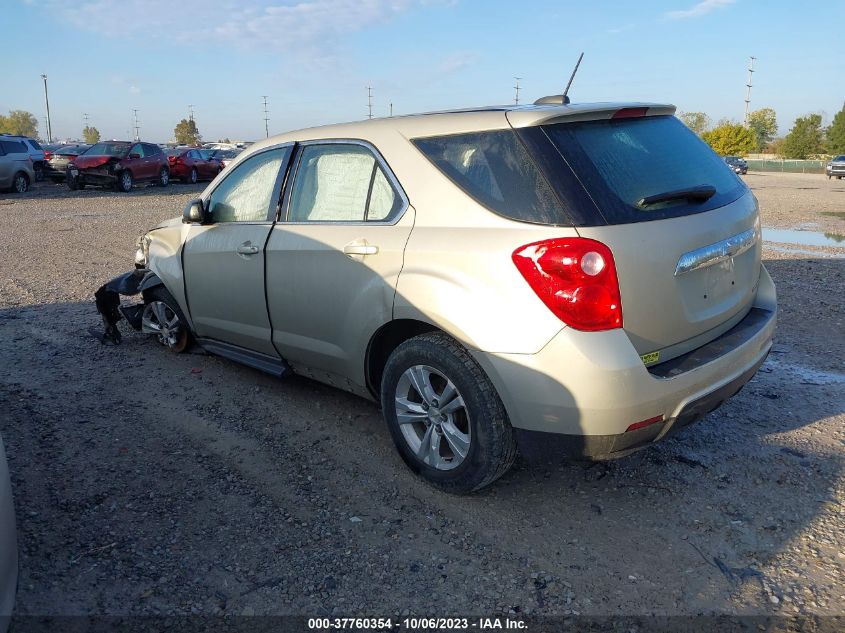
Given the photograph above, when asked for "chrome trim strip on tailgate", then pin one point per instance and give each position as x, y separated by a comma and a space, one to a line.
715, 253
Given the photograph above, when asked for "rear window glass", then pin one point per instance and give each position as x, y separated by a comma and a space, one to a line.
621, 162
34, 143
494, 168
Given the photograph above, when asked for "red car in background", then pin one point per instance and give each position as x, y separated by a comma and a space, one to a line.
189, 165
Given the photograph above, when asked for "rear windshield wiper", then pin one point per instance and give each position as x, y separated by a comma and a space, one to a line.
701, 193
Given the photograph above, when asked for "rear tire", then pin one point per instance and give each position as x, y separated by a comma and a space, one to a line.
163, 177
20, 183
163, 317
38, 168
192, 177
456, 435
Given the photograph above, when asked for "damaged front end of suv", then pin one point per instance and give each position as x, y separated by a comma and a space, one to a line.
157, 271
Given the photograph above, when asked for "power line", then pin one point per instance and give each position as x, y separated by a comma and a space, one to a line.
516, 88
266, 118
748, 85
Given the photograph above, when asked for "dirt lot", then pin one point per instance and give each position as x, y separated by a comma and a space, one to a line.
149, 483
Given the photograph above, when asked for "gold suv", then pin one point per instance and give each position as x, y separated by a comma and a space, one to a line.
584, 275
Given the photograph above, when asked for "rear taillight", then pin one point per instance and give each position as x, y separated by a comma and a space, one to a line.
171, 159
576, 278
48, 155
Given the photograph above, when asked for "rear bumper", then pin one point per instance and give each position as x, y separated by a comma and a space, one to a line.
591, 386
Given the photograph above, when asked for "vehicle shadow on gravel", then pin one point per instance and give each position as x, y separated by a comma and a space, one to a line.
149, 482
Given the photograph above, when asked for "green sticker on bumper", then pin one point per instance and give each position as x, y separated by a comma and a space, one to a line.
648, 359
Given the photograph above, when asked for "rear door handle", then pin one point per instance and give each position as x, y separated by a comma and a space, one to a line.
356, 248
247, 249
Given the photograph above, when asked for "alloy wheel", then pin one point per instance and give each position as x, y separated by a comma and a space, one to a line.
159, 318
433, 417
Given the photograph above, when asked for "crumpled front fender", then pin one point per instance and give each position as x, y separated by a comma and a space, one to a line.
107, 300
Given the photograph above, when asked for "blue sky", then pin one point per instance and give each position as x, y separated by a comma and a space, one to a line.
314, 58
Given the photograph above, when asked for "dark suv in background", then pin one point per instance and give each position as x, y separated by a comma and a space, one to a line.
119, 164
737, 164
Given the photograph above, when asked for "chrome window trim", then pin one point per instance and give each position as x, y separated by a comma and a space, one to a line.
391, 178
717, 252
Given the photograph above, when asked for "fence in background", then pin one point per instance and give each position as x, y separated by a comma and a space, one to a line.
793, 166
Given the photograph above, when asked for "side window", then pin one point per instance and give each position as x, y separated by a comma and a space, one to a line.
383, 199
2, 149
14, 147
137, 149
245, 194
340, 183
151, 150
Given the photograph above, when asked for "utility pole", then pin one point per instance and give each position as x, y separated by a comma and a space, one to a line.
748, 85
266, 118
136, 125
47, 102
370, 101
191, 108
516, 88
391, 108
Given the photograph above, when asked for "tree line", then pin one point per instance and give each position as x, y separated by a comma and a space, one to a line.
23, 123
807, 138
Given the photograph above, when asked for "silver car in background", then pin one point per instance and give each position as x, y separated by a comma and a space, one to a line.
8, 544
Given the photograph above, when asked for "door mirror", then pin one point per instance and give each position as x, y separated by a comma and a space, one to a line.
134, 155
194, 213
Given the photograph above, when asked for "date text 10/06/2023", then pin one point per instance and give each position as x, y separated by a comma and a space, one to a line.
415, 624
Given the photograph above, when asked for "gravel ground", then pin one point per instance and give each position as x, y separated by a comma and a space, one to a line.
149, 483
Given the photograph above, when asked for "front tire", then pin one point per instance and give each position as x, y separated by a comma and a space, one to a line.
192, 177
38, 168
163, 317
124, 181
163, 177
445, 417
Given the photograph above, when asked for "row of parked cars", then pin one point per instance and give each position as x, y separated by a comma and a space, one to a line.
117, 164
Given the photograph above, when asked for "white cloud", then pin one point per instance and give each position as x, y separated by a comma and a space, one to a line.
135, 90
621, 29
702, 8
305, 28
457, 61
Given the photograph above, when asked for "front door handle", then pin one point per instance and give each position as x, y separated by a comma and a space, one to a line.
358, 248
247, 249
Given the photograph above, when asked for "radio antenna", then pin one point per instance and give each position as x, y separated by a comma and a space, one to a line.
571, 77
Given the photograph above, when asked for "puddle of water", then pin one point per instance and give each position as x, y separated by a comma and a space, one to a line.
803, 238
804, 251
806, 374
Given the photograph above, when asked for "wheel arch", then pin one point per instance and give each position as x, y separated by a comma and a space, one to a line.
386, 339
